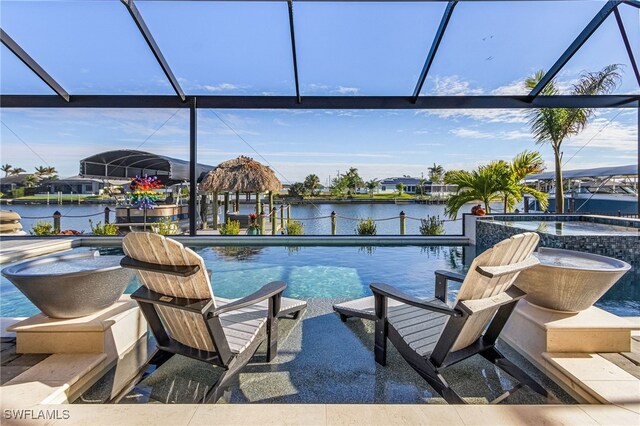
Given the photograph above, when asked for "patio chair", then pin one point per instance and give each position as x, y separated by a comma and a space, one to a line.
431, 336
177, 302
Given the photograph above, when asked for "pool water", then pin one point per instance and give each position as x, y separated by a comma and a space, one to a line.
310, 272
333, 273
571, 228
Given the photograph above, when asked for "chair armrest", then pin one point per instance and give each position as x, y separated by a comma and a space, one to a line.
498, 271
274, 288
442, 283
177, 270
511, 295
144, 295
392, 293
450, 275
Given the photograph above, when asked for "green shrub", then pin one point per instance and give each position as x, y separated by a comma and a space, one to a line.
106, 229
432, 225
17, 193
232, 227
295, 227
42, 228
165, 227
366, 227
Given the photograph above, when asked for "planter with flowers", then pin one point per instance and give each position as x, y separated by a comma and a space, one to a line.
254, 226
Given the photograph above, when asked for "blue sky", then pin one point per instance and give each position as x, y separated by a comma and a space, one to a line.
93, 47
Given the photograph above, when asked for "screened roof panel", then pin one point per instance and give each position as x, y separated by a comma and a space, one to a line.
17, 79
225, 48
605, 47
89, 47
508, 39
363, 48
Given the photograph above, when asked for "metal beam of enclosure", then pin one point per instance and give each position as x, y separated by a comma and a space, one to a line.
323, 102
33, 65
146, 33
193, 162
634, 3
627, 45
293, 49
576, 45
434, 48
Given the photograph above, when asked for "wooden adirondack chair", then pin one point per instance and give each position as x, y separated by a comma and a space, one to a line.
431, 336
177, 302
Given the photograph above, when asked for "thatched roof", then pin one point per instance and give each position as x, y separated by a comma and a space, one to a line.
241, 174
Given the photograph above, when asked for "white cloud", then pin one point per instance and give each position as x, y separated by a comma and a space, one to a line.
220, 87
516, 87
453, 85
484, 115
347, 90
462, 132
615, 136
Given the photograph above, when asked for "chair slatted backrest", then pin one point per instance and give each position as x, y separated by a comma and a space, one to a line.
477, 286
185, 327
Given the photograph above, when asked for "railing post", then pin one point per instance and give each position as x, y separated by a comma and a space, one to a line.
262, 222
274, 223
526, 204
403, 223
281, 216
56, 221
334, 226
106, 215
215, 210
288, 214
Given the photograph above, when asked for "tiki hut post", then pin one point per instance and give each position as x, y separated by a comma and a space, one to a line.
215, 210
258, 207
226, 206
270, 200
237, 206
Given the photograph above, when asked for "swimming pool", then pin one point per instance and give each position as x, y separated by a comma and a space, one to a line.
326, 272
310, 272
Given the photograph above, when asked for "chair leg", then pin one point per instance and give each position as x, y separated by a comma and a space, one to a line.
272, 338
380, 344
231, 373
425, 369
494, 356
297, 314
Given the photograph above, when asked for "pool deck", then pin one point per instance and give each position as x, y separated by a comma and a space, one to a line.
324, 374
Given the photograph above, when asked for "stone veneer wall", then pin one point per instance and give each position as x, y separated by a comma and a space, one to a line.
627, 248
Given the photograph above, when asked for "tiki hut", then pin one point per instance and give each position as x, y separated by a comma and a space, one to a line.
242, 174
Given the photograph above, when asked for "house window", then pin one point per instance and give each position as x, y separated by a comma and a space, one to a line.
384, 188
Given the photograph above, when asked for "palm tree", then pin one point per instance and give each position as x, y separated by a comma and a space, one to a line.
436, 173
312, 183
17, 171
554, 125
41, 171
371, 186
353, 179
524, 164
400, 188
420, 188
486, 184
51, 171
30, 181
6, 168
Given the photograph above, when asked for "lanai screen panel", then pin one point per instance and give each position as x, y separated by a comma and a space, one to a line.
88, 47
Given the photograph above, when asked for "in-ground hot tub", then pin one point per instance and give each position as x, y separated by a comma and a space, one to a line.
569, 281
70, 285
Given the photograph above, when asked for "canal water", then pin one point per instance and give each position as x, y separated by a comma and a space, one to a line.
315, 217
